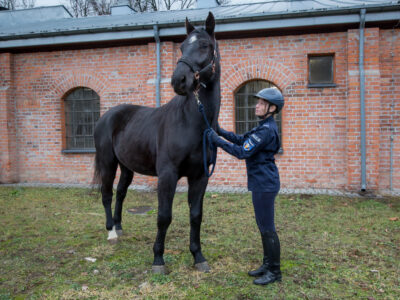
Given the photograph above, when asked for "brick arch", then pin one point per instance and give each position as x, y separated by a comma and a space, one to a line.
254, 79
62, 85
262, 69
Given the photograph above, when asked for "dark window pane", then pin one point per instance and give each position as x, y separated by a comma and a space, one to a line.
89, 143
240, 115
241, 90
89, 130
82, 110
80, 143
253, 101
320, 69
241, 100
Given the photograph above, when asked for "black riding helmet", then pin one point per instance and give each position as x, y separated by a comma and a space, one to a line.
273, 96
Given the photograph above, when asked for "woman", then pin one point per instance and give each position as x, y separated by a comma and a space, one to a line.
258, 148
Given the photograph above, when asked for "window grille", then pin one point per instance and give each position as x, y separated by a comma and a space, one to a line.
245, 103
82, 110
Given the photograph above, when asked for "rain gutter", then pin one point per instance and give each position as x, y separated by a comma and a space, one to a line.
158, 80
362, 102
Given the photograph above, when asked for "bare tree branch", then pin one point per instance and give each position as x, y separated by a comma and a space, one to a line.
84, 8
17, 4
80, 8
9, 4
102, 7
27, 3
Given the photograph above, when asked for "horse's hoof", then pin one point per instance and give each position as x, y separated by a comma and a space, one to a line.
112, 236
203, 267
119, 232
113, 241
158, 269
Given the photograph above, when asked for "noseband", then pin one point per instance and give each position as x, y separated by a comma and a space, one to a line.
199, 74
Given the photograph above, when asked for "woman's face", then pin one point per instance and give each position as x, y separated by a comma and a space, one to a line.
262, 108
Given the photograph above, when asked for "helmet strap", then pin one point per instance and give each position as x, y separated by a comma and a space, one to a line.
268, 113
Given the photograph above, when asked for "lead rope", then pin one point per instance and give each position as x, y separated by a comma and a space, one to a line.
213, 160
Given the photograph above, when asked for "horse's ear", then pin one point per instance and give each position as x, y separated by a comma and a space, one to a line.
210, 24
189, 27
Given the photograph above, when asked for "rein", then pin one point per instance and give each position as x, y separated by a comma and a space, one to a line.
213, 160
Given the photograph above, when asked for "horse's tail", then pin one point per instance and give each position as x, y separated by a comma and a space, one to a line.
97, 165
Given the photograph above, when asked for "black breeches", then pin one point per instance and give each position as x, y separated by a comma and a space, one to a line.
263, 203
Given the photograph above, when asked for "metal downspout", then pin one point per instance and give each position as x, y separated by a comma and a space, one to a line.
391, 162
362, 102
158, 80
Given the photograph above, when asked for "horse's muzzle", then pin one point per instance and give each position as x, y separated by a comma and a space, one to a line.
183, 79
179, 84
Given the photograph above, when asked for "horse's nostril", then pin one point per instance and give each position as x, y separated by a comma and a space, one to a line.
183, 79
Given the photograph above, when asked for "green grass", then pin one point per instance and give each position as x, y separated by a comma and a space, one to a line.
332, 248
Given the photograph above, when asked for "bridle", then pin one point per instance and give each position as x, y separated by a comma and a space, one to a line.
199, 73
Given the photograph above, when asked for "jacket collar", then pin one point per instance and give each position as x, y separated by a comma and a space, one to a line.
265, 120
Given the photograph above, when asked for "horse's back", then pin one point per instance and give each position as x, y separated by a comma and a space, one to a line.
142, 137
115, 120
127, 132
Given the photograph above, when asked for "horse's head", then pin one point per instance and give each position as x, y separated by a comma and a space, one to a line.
199, 56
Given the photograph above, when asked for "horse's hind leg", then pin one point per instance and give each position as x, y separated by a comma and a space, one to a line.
197, 188
123, 184
108, 167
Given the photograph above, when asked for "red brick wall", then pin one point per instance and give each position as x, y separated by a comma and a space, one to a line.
320, 127
389, 64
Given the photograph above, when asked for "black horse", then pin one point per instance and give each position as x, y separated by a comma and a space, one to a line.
164, 142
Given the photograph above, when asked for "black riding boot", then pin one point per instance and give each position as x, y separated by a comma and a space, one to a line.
272, 250
264, 267
261, 270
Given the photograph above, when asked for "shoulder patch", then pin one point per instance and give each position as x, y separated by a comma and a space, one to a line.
248, 145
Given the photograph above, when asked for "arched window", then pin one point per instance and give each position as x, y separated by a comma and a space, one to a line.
82, 110
245, 103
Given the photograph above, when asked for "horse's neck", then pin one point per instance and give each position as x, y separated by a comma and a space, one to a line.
211, 100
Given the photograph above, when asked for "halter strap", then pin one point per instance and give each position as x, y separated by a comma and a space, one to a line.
188, 62
198, 73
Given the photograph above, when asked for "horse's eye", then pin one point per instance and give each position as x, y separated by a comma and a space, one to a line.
203, 45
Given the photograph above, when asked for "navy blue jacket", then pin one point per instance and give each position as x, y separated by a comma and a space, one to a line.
258, 147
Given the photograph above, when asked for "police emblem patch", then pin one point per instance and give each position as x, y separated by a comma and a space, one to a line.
248, 145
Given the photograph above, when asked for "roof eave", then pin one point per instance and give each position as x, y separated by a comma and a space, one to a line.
230, 24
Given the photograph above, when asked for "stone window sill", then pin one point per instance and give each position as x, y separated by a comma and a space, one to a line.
78, 151
321, 85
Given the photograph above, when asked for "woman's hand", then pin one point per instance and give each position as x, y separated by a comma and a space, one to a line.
212, 136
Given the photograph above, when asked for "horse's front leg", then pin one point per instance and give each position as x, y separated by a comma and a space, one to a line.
197, 188
166, 189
